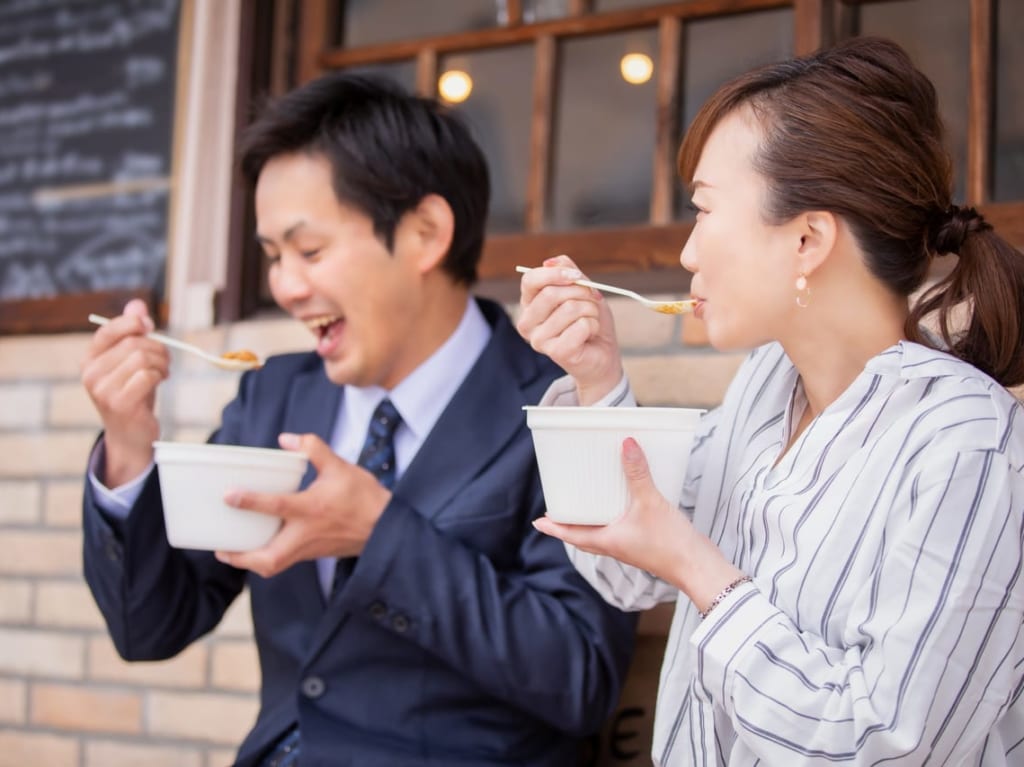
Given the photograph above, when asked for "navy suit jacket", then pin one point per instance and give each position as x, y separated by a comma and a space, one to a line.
462, 636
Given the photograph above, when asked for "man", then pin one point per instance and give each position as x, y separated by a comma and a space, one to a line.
424, 624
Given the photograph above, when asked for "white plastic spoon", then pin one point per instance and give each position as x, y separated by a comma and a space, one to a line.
245, 361
665, 307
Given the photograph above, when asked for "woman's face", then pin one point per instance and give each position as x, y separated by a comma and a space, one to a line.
744, 270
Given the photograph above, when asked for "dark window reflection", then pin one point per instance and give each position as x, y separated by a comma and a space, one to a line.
601, 6
497, 111
366, 22
1008, 170
936, 35
542, 10
751, 39
603, 135
401, 72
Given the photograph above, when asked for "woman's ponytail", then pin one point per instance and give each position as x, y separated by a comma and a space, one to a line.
988, 282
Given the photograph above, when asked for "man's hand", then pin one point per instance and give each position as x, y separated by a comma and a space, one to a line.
333, 517
121, 371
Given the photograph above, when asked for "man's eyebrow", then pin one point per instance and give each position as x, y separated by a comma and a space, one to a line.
289, 233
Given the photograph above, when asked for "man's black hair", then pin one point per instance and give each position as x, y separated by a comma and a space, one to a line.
387, 149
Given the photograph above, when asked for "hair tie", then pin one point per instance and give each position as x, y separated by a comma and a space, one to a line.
951, 227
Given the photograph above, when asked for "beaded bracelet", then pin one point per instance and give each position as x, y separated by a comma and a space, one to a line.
724, 593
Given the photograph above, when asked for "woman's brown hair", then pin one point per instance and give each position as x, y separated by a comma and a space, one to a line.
855, 130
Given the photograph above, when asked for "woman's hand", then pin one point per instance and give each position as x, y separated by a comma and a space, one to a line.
572, 325
653, 535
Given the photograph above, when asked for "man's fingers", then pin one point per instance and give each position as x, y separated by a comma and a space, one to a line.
119, 383
275, 504
137, 308
279, 554
310, 445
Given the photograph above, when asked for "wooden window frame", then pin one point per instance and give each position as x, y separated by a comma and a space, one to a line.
643, 256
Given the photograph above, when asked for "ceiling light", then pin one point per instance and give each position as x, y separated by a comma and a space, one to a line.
636, 68
455, 86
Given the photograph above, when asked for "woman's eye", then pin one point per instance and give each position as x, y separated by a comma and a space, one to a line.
693, 208
307, 254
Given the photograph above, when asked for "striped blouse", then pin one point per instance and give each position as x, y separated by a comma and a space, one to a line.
884, 621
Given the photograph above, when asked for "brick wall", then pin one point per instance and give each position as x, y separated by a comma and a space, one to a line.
66, 699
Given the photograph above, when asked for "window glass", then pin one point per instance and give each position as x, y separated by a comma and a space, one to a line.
602, 6
542, 10
401, 72
497, 111
935, 34
604, 134
367, 22
752, 39
1008, 159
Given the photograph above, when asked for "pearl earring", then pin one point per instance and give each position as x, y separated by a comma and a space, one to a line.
803, 291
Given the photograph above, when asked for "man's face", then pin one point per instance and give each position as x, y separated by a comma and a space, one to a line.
332, 273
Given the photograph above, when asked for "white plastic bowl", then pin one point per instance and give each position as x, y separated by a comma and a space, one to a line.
194, 478
579, 452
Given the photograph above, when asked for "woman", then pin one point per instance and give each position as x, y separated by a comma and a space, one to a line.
847, 568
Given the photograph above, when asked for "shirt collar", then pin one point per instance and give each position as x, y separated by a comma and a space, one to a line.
422, 396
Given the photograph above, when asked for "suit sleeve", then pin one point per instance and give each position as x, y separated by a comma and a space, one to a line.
525, 627
155, 599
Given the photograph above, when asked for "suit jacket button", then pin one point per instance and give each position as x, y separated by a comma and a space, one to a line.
378, 610
400, 623
313, 687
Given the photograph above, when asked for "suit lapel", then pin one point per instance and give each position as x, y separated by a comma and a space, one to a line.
312, 409
481, 418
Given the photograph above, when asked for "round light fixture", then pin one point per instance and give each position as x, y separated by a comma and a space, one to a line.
455, 86
636, 68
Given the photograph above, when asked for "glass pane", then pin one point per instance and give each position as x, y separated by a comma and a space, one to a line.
1008, 166
716, 50
543, 10
936, 35
366, 22
497, 112
401, 72
604, 134
601, 6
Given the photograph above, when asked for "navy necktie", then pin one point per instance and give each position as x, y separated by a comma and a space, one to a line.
377, 457
378, 454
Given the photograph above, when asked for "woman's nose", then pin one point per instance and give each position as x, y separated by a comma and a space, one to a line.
688, 256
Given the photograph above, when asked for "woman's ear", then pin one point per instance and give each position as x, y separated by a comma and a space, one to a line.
431, 224
818, 233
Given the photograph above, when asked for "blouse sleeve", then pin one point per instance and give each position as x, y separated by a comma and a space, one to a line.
931, 650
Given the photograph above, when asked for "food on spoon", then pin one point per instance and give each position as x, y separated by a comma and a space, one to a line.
242, 355
675, 307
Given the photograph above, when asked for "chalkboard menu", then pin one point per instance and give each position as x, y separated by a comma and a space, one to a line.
86, 134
